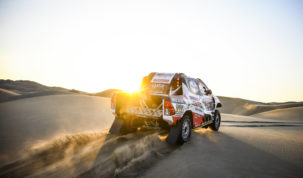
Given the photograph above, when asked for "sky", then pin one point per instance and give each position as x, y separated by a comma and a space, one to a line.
247, 49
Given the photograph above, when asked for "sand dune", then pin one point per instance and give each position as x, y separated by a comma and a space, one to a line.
19, 89
67, 136
246, 107
106, 93
25, 121
8, 92
6, 95
49, 135
27, 87
294, 114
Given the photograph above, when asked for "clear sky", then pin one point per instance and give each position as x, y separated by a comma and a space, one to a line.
248, 49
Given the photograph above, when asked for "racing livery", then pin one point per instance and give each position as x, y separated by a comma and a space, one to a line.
172, 101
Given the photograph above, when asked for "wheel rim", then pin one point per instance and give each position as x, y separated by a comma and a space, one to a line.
217, 120
185, 129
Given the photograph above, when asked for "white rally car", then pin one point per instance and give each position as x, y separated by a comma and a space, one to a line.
172, 101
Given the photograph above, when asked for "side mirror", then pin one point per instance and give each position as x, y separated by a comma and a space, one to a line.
208, 92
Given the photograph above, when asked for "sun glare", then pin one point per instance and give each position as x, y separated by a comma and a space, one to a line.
131, 85
132, 90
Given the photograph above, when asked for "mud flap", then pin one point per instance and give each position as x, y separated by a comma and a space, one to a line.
174, 134
116, 126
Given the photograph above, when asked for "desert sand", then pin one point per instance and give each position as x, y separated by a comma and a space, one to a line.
67, 136
36, 119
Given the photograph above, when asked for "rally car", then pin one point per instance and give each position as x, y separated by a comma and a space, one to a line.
172, 101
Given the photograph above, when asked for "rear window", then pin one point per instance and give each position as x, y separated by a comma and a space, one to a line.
162, 78
173, 87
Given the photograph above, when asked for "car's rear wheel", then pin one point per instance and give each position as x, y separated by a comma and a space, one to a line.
185, 131
217, 121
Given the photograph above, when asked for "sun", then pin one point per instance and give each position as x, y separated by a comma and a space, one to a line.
132, 88
131, 85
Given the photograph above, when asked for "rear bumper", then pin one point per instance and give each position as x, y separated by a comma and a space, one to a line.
168, 119
171, 120
145, 112
149, 113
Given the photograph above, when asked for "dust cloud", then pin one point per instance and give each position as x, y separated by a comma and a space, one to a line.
91, 154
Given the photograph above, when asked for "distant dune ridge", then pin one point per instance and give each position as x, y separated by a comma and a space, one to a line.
234, 105
246, 107
12, 90
106, 93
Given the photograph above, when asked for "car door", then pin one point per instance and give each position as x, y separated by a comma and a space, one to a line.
206, 99
194, 96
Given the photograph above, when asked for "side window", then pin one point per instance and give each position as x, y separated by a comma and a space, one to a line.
193, 87
202, 88
176, 86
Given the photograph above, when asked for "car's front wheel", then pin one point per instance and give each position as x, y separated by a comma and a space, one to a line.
217, 121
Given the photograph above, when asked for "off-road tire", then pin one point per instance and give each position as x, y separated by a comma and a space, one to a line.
217, 121
186, 127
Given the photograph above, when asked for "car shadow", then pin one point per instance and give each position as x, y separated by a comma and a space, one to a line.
129, 155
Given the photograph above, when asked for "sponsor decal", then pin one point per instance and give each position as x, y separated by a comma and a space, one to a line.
158, 85
197, 118
160, 81
179, 108
162, 78
197, 104
157, 88
194, 98
178, 99
198, 109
